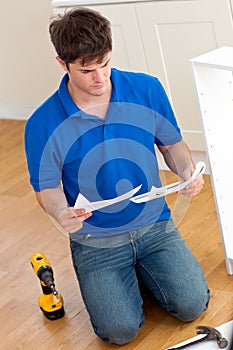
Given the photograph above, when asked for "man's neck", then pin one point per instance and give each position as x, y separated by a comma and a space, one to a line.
90, 104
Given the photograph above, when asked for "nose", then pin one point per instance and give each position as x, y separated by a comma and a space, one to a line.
98, 75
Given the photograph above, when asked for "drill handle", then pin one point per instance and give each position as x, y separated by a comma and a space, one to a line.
45, 289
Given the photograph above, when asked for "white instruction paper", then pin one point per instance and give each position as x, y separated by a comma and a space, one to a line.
82, 202
157, 192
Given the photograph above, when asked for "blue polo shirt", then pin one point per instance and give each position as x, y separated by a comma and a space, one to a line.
104, 158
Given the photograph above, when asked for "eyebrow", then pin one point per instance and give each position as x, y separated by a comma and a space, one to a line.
91, 70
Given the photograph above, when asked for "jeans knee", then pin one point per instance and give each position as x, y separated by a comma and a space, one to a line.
119, 334
192, 308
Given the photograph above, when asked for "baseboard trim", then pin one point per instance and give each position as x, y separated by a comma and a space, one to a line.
197, 156
17, 111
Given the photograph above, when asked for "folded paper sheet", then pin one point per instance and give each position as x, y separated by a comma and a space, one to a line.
155, 192
82, 202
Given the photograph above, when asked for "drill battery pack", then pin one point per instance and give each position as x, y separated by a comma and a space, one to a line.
51, 307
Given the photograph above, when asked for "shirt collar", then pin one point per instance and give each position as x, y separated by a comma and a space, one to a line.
121, 87
66, 100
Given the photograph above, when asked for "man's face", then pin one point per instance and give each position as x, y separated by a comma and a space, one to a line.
92, 78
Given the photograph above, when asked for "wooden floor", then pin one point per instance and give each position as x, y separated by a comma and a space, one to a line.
25, 229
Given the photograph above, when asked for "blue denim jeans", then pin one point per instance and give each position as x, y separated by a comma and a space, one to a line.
109, 276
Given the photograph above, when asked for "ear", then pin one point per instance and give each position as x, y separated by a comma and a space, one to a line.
62, 63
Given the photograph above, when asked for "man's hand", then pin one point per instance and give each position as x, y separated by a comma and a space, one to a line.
178, 158
53, 201
194, 188
71, 219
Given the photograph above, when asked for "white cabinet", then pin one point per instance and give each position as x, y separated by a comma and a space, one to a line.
172, 32
160, 37
213, 76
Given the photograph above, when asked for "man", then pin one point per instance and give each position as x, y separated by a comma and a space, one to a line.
95, 136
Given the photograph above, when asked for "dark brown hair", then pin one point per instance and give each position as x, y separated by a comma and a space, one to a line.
81, 34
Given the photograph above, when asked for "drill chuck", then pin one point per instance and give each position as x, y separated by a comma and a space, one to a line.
45, 274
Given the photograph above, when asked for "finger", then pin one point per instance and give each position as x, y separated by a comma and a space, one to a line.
78, 212
191, 191
80, 217
75, 224
85, 216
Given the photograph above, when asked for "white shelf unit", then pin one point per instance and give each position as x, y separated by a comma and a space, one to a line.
213, 77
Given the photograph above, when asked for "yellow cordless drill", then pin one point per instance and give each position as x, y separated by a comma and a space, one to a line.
50, 301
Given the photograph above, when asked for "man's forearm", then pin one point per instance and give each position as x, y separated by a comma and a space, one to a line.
52, 200
178, 159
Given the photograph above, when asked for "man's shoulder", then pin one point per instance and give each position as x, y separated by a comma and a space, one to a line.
46, 113
133, 76
46, 105
139, 82
51, 111
137, 87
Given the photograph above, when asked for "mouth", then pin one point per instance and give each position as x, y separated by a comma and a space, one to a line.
98, 86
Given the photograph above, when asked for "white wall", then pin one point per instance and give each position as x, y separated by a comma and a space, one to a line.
28, 70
